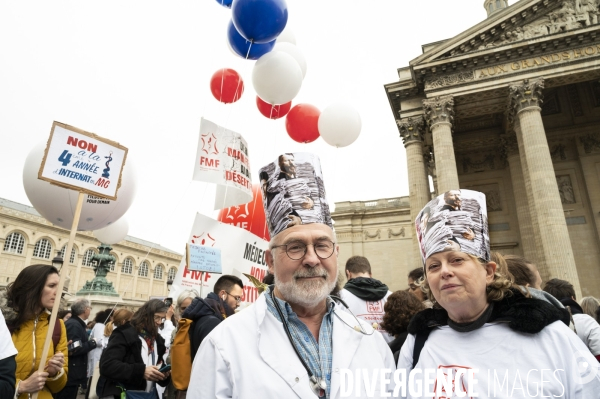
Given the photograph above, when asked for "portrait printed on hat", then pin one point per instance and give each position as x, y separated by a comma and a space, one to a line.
454, 221
294, 192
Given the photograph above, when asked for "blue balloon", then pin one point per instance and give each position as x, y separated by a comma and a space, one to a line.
260, 21
225, 3
240, 45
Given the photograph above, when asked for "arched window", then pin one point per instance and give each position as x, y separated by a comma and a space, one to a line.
498, 4
127, 266
158, 272
143, 270
73, 253
87, 257
42, 249
14, 243
172, 274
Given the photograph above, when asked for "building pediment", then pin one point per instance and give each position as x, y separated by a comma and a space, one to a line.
524, 21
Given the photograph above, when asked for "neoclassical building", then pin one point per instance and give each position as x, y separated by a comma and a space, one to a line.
511, 107
141, 271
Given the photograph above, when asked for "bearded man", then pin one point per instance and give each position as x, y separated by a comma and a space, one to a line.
295, 341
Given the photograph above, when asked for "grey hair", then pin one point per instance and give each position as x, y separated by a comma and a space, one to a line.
183, 296
78, 307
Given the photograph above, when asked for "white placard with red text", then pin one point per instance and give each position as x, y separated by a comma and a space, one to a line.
222, 158
83, 161
241, 252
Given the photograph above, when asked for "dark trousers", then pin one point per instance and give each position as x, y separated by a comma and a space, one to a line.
68, 392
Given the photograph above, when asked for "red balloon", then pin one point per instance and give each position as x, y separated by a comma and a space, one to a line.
226, 85
272, 111
250, 216
302, 123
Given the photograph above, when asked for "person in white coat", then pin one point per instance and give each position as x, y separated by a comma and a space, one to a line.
365, 296
294, 341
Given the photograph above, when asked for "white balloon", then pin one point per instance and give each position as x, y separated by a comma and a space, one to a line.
114, 232
294, 52
277, 77
57, 204
287, 36
339, 124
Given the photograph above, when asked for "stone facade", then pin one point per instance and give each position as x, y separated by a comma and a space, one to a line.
140, 272
381, 231
514, 103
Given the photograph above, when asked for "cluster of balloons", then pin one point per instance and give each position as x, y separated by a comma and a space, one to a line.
257, 31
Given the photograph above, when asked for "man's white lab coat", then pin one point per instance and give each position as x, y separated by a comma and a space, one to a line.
250, 356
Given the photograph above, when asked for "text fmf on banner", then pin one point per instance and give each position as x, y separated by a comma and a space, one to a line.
83, 161
222, 158
241, 252
203, 259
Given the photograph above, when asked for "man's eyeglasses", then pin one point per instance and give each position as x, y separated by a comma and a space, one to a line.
238, 299
297, 250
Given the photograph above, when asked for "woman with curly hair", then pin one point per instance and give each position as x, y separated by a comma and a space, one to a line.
481, 328
400, 307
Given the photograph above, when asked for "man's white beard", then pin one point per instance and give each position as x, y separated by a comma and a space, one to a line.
307, 293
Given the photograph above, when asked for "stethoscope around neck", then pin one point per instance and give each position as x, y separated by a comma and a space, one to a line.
317, 385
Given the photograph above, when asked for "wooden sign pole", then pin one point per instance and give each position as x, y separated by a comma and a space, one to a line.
63, 277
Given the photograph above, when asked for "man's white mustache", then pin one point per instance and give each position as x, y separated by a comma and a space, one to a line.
311, 273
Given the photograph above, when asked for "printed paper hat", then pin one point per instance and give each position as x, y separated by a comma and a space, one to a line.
293, 192
454, 221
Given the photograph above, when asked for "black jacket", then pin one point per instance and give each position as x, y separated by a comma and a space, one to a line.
8, 367
121, 362
76, 332
206, 314
367, 289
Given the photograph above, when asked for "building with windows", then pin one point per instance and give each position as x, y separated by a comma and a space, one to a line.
511, 107
141, 271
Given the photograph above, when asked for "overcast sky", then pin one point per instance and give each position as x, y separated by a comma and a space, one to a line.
138, 72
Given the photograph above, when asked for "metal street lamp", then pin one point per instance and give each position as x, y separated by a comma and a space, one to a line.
58, 262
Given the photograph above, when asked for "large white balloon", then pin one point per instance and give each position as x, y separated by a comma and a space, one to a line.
277, 77
287, 36
294, 52
57, 204
339, 124
114, 232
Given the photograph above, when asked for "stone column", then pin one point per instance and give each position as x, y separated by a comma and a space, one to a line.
511, 150
525, 100
412, 131
439, 112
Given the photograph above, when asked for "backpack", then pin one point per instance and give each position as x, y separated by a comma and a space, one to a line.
181, 355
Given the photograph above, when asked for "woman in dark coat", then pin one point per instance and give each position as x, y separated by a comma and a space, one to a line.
135, 353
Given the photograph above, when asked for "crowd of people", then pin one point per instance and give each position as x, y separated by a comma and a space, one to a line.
471, 315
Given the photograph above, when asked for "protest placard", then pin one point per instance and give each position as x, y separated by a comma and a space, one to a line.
222, 158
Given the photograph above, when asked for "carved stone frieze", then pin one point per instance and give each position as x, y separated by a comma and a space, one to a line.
439, 110
551, 104
449, 80
558, 152
478, 163
392, 233
412, 129
492, 192
566, 15
524, 95
377, 234
591, 142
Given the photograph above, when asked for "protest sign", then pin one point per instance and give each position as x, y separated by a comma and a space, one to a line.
203, 259
222, 158
73, 159
83, 161
241, 252
250, 216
